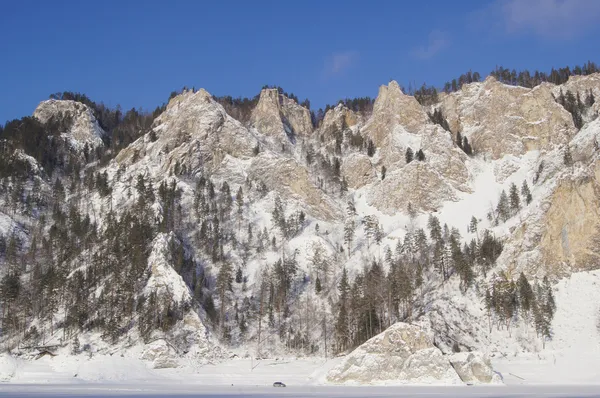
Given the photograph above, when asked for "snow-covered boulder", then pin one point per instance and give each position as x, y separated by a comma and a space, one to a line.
474, 368
161, 355
403, 354
8, 367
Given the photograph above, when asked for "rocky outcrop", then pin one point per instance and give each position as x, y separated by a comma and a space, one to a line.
337, 120
358, 170
427, 184
474, 368
560, 233
194, 131
84, 127
417, 183
189, 335
499, 119
291, 180
582, 85
278, 116
572, 225
402, 354
392, 108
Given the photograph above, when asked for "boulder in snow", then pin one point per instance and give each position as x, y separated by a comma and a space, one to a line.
402, 354
474, 368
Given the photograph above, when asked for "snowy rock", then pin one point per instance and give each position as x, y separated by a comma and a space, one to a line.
160, 354
418, 183
8, 367
164, 281
392, 107
336, 120
402, 354
291, 180
358, 170
582, 85
278, 116
84, 129
499, 119
193, 132
474, 368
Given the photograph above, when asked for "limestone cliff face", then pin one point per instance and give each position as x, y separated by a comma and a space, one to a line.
560, 233
84, 129
195, 132
392, 108
291, 180
499, 119
418, 183
582, 85
426, 185
336, 120
277, 116
358, 170
572, 222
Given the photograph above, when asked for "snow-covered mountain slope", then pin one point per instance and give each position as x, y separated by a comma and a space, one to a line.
253, 238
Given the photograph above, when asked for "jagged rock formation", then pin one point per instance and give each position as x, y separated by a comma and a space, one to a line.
358, 170
439, 178
292, 181
499, 119
394, 108
189, 335
194, 131
337, 120
277, 116
402, 354
84, 126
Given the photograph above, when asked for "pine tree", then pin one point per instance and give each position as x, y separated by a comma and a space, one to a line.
503, 208
342, 324
370, 148
420, 155
383, 171
525, 193
526, 296
473, 224
349, 234
409, 155
515, 203
239, 199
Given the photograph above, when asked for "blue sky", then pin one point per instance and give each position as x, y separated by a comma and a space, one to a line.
134, 53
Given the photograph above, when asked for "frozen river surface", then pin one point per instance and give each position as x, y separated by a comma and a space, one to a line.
166, 390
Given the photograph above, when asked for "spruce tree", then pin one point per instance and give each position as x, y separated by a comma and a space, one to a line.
526, 193
515, 203
503, 207
408, 155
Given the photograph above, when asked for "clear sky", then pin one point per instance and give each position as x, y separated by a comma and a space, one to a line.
134, 53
